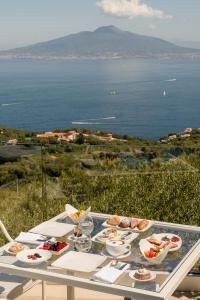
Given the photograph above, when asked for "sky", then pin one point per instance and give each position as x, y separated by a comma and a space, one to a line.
24, 22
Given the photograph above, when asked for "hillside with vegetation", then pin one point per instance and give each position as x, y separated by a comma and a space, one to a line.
126, 176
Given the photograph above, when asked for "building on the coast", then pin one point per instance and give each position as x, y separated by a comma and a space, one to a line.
60, 136
185, 135
163, 141
188, 130
172, 137
12, 142
108, 137
45, 135
68, 136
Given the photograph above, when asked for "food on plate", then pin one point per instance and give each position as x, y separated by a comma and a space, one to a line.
172, 245
161, 241
154, 241
114, 220
152, 252
34, 256
142, 274
134, 223
77, 232
172, 241
143, 224
54, 246
16, 248
108, 234
175, 239
165, 239
77, 214
125, 223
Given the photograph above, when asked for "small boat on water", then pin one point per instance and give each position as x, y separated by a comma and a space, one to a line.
113, 93
164, 93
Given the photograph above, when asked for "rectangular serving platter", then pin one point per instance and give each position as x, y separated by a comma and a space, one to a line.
105, 224
127, 236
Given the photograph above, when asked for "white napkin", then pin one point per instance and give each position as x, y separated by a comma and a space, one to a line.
110, 274
31, 238
70, 209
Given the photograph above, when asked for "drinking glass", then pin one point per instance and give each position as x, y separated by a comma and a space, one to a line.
83, 243
87, 225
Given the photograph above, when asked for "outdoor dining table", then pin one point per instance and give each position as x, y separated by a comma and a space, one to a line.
170, 273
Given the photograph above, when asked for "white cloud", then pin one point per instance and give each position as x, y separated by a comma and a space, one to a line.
130, 9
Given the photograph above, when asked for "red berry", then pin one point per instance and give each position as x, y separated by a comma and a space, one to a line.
175, 239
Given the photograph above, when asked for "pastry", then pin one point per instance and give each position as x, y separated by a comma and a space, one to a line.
114, 221
16, 248
142, 274
154, 242
78, 214
125, 223
143, 224
134, 223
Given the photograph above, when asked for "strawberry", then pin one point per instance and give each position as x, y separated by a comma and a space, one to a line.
152, 253
175, 239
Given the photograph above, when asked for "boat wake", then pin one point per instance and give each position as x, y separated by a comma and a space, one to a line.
170, 80
10, 104
92, 121
85, 123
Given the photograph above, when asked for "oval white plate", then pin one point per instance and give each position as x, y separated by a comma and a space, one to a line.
145, 245
170, 235
132, 275
15, 243
23, 256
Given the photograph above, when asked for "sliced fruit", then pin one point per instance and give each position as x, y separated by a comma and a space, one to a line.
175, 239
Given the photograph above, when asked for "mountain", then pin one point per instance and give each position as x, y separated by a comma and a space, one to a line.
188, 44
103, 43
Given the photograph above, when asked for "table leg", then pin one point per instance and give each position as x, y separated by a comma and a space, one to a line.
70, 293
43, 290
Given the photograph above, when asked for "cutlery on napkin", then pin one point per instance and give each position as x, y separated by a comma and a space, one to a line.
31, 238
110, 274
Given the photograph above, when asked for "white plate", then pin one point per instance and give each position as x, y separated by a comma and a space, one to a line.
79, 261
132, 275
14, 243
121, 234
53, 229
105, 224
23, 256
105, 253
170, 236
145, 246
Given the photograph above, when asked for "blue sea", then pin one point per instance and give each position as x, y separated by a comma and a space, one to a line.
143, 98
